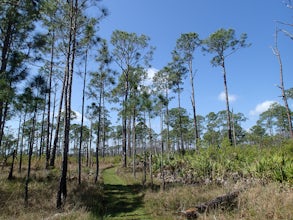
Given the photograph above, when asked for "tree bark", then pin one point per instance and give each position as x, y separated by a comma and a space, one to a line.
62, 192
227, 105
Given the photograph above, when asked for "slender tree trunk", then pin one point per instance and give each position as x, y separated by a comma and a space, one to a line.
233, 128
282, 87
52, 121
182, 150
97, 157
162, 151
82, 118
167, 122
48, 142
98, 137
18, 133
10, 176
144, 157
62, 192
89, 161
196, 133
124, 122
56, 138
42, 132
134, 142
151, 149
21, 143
31, 143
104, 124
129, 136
227, 105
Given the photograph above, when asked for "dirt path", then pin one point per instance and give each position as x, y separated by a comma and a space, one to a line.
122, 201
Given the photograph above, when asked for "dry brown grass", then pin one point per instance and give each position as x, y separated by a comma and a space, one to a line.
43, 188
271, 201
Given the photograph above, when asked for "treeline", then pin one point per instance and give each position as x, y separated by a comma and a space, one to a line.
46, 43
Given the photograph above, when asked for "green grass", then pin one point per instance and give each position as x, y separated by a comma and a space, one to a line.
122, 200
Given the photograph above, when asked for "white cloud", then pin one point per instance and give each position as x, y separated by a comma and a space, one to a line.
78, 118
262, 107
150, 74
222, 97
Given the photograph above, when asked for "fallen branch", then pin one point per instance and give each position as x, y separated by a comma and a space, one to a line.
224, 202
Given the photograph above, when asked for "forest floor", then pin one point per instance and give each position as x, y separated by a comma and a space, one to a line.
122, 200
119, 195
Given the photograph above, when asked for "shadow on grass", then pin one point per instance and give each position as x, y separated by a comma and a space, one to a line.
122, 200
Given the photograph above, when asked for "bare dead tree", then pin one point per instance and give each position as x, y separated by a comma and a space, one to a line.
281, 86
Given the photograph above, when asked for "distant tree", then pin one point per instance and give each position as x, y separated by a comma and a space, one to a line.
179, 121
49, 18
23, 103
101, 81
162, 85
130, 52
224, 43
38, 87
87, 42
185, 47
275, 120
177, 74
212, 134
256, 134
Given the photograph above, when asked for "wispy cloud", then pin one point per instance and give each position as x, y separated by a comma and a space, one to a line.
222, 97
261, 107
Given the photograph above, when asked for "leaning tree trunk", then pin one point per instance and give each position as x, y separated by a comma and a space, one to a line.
56, 138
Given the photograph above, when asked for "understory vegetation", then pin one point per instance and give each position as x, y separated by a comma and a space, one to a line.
264, 177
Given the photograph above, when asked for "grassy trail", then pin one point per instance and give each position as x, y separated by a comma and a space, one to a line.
122, 201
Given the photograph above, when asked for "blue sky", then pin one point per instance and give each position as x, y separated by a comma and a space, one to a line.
252, 73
